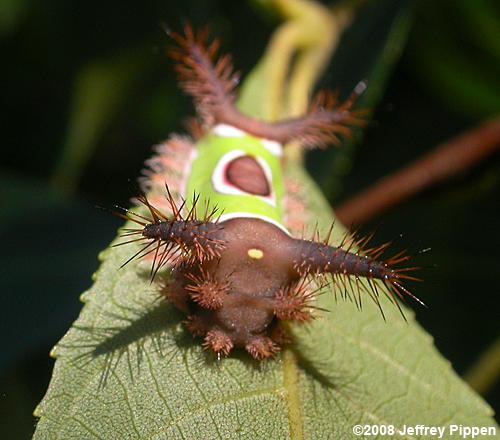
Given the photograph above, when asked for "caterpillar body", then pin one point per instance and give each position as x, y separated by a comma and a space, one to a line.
236, 269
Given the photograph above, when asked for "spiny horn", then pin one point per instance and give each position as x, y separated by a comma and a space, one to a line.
211, 81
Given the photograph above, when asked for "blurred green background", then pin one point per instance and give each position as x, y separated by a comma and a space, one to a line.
87, 91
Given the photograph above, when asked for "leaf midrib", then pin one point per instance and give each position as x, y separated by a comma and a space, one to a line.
291, 385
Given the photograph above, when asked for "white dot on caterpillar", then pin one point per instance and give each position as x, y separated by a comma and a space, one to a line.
256, 254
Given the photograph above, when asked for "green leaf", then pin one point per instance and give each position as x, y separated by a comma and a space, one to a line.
453, 77
466, 80
100, 90
253, 93
128, 369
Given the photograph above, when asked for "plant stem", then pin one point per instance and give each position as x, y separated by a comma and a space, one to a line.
483, 375
448, 159
282, 83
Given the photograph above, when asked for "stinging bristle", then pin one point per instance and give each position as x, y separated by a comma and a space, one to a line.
295, 302
262, 347
206, 290
353, 260
211, 81
326, 120
195, 325
175, 240
218, 342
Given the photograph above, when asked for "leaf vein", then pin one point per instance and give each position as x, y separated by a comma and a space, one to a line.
216, 403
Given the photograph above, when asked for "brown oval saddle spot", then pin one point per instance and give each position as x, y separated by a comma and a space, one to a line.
246, 174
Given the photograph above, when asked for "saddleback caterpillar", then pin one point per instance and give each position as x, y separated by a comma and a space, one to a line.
220, 224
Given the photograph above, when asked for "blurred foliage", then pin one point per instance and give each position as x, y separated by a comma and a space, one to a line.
89, 91
456, 52
380, 34
99, 91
